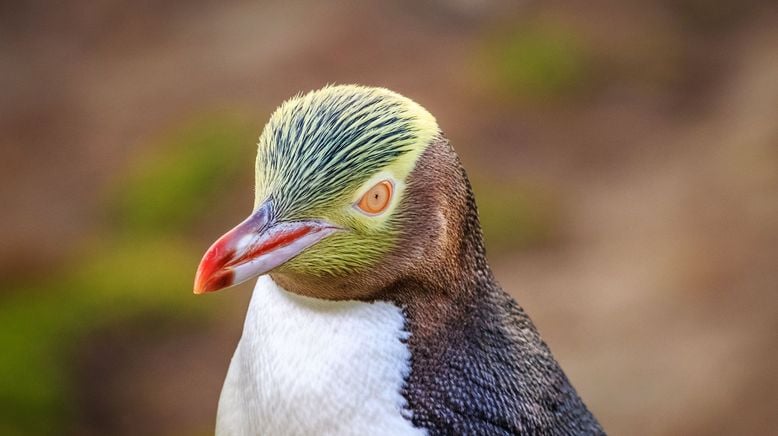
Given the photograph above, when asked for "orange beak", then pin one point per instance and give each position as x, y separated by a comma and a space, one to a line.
255, 247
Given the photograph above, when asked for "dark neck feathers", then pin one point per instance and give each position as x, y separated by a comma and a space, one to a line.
478, 364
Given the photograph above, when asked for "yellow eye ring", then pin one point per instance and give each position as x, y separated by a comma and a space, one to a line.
377, 198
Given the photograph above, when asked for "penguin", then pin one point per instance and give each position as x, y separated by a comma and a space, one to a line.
375, 311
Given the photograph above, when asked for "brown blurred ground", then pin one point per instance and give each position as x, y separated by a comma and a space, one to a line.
648, 168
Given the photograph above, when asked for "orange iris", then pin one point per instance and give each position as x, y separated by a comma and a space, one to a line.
377, 198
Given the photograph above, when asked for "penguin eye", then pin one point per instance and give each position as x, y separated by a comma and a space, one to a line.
377, 198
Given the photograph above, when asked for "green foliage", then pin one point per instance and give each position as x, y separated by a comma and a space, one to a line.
120, 282
535, 61
179, 178
515, 215
141, 265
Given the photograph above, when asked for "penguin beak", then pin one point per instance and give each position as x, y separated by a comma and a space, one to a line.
255, 247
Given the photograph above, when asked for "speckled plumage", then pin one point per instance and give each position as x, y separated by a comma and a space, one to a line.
316, 151
478, 365
318, 146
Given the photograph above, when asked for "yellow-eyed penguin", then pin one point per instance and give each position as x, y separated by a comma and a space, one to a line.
375, 311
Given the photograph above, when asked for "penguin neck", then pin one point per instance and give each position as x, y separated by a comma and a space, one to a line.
455, 265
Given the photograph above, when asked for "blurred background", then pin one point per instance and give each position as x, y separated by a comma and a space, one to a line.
624, 155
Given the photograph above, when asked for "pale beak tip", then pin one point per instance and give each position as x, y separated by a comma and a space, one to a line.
199, 287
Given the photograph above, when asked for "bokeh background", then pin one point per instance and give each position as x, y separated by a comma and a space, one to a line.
624, 156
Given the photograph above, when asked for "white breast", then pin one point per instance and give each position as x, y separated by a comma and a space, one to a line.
306, 366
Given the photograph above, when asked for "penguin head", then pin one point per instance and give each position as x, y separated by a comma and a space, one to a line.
334, 204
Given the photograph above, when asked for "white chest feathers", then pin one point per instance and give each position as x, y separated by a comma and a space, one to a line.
312, 367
